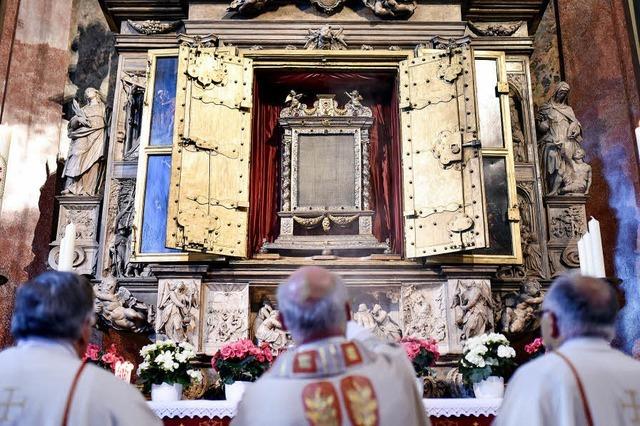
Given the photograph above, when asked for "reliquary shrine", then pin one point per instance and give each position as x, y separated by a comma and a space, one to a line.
395, 143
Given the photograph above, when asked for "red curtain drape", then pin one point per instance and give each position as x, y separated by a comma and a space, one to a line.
379, 90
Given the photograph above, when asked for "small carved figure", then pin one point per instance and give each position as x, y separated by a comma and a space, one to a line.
561, 137
267, 327
472, 307
517, 135
519, 312
364, 317
400, 9
580, 181
422, 322
354, 106
326, 38
87, 131
178, 312
532, 253
386, 327
224, 325
248, 7
120, 310
293, 101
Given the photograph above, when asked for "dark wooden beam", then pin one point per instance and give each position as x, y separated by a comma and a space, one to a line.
117, 11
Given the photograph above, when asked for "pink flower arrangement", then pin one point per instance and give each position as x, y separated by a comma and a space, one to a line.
105, 359
423, 354
242, 360
535, 348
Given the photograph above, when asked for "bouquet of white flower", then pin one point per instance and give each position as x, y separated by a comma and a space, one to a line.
168, 362
486, 355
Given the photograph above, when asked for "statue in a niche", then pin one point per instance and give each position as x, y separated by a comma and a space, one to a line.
83, 169
560, 143
520, 309
178, 311
119, 310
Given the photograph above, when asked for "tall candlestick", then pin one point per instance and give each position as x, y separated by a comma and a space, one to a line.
5, 143
597, 256
67, 249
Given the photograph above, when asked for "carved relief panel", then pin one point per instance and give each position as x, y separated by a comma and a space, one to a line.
377, 309
470, 309
424, 313
226, 315
178, 314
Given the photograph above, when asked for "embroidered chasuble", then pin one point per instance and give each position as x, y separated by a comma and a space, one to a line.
336, 382
35, 378
545, 392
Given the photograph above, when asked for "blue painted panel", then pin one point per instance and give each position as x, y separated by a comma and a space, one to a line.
156, 198
164, 101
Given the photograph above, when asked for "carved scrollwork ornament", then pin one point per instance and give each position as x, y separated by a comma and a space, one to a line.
150, 27
495, 29
326, 38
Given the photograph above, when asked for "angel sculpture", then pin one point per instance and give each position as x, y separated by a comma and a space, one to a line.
120, 309
295, 108
87, 131
178, 312
326, 38
472, 307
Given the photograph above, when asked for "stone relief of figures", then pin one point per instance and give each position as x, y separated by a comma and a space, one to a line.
83, 169
492, 29
326, 38
133, 85
394, 9
178, 310
122, 247
268, 329
120, 310
226, 317
472, 307
378, 321
84, 219
560, 143
568, 223
150, 27
386, 9
519, 310
517, 133
419, 316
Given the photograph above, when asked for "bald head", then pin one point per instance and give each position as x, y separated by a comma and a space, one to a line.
584, 306
313, 303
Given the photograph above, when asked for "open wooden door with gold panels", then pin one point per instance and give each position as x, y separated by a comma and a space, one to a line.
209, 194
444, 205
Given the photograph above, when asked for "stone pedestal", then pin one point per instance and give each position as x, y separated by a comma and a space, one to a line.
567, 222
84, 212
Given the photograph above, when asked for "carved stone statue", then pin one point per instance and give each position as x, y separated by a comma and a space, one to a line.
293, 103
134, 87
120, 251
267, 328
87, 131
472, 307
531, 253
560, 139
579, 182
120, 310
178, 311
378, 321
517, 135
520, 309
392, 8
326, 38
354, 106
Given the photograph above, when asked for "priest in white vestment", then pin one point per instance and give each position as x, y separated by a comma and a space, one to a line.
41, 380
581, 380
328, 379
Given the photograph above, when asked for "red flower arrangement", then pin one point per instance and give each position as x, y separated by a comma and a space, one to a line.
105, 359
422, 353
535, 348
242, 361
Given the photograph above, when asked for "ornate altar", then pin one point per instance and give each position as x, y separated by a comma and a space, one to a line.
325, 189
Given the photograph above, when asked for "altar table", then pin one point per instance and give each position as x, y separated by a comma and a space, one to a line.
443, 412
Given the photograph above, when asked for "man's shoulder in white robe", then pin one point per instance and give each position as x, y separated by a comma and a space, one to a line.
35, 378
381, 385
545, 392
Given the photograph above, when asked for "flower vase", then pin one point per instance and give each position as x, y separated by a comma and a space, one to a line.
491, 387
420, 386
166, 392
234, 391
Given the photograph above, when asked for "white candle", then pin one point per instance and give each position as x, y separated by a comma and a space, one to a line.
588, 261
583, 256
597, 256
67, 249
5, 143
638, 137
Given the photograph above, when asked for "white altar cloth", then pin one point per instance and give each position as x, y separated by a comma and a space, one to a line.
439, 407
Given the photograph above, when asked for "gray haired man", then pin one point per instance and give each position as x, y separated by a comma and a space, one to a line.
581, 380
327, 379
42, 380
